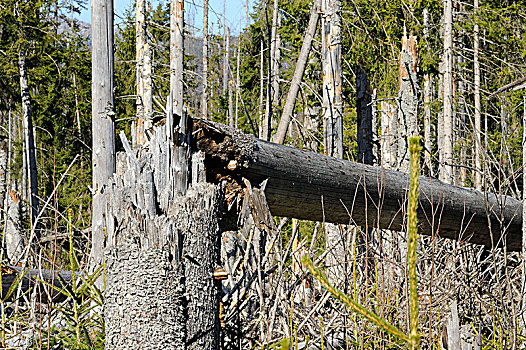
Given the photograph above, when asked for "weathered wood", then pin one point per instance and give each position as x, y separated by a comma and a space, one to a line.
102, 114
29, 141
204, 95
446, 172
310, 186
31, 278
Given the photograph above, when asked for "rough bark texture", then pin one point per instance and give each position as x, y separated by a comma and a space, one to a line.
427, 108
303, 57
335, 190
332, 78
103, 117
407, 99
204, 96
476, 82
388, 129
3, 180
447, 170
29, 140
199, 216
176, 56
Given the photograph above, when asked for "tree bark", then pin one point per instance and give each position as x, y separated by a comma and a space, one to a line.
407, 99
427, 107
103, 116
447, 174
13, 230
299, 71
332, 78
140, 41
204, 96
321, 188
29, 141
477, 126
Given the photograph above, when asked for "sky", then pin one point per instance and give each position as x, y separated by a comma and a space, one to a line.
235, 13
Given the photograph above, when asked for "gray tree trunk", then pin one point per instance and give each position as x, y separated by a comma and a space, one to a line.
267, 120
229, 75
333, 122
447, 174
238, 88
138, 135
428, 144
477, 126
407, 98
226, 57
388, 127
303, 57
276, 57
332, 78
261, 89
204, 96
3, 179
322, 188
29, 141
103, 116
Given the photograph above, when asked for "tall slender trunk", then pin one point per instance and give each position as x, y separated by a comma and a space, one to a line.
298, 74
477, 127
261, 88
204, 96
229, 78
103, 116
447, 173
276, 56
238, 88
267, 120
427, 101
332, 122
143, 121
364, 118
226, 59
29, 140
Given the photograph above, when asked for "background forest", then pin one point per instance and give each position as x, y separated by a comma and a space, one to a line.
45, 158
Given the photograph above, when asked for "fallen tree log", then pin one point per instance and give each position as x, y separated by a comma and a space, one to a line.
32, 278
311, 186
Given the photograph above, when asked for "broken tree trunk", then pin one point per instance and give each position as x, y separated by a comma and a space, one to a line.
322, 188
298, 74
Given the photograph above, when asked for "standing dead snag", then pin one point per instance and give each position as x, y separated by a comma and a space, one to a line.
103, 118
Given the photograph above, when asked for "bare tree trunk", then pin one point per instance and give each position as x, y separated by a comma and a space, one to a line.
364, 118
332, 78
447, 174
226, 58
477, 127
332, 122
388, 143
298, 74
238, 88
408, 98
3, 177
103, 116
229, 76
29, 140
261, 89
176, 57
138, 136
267, 120
276, 61
523, 287
204, 96
427, 108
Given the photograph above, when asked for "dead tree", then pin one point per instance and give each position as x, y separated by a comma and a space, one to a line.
364, 113
103, 116
29, 141
446, 173
407, 99
333, 190
477, 112
204, 96
298, 74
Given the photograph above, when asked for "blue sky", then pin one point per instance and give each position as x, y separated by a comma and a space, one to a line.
235, 11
